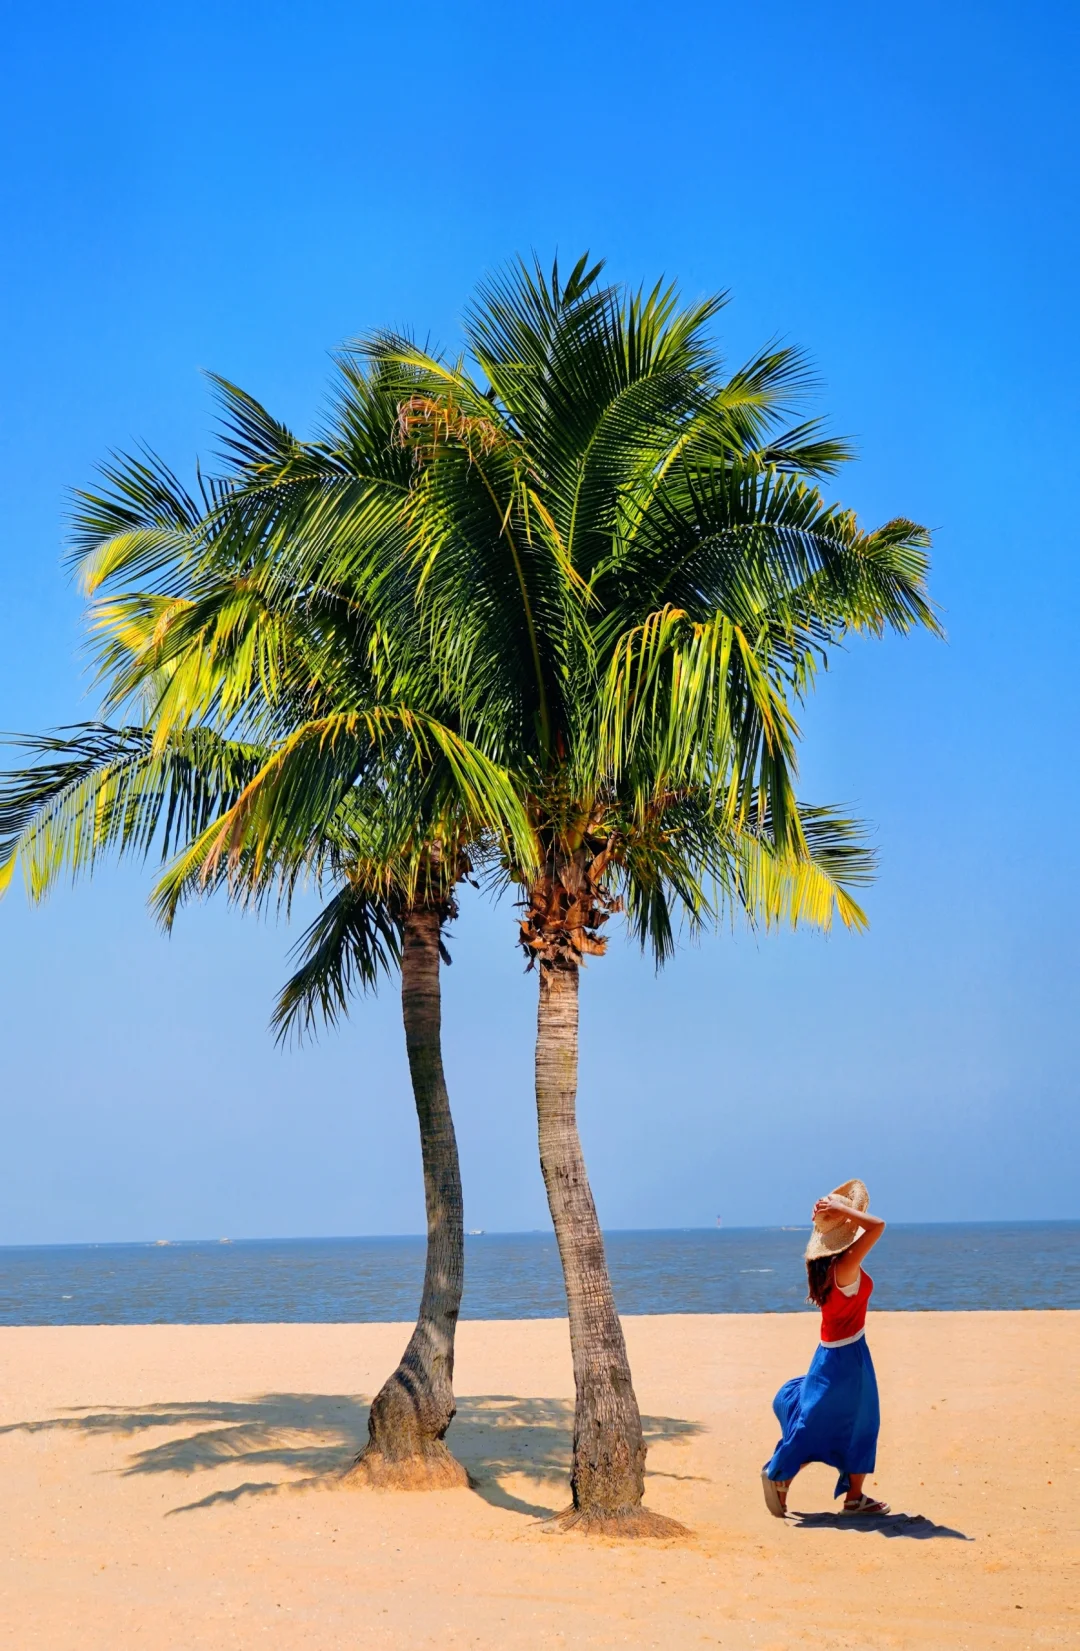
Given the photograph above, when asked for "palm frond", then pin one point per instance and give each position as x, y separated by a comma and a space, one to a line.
96, 790
288, 806
815, 887
145, 524
354, 940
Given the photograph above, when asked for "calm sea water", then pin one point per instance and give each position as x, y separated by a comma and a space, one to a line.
516, 1275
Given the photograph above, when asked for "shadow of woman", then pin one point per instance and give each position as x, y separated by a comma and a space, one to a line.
916, 1526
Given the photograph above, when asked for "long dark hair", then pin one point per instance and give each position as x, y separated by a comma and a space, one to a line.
819, 1279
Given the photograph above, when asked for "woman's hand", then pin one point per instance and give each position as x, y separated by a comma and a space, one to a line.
832, 1205
873, 1226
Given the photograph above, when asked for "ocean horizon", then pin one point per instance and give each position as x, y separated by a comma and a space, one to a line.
938, 1266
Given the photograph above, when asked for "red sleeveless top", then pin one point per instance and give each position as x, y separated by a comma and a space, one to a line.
842, 1317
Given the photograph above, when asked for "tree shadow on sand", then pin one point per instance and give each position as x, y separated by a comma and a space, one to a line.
916, 1526
508, 1445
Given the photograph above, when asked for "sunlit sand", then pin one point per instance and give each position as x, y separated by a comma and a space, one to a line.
176, 1487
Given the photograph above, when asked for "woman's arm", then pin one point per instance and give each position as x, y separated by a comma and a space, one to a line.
849, 1261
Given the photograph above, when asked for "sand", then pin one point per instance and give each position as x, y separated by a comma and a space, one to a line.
173, 1487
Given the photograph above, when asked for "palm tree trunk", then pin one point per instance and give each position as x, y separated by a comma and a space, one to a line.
412, 1411
608, 1473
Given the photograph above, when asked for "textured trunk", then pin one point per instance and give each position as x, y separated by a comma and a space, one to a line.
414, 1408
608, 1474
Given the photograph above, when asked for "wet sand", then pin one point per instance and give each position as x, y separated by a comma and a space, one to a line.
174, 1487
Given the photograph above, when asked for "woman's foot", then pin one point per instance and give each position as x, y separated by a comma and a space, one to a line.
775, 1495
864, 1504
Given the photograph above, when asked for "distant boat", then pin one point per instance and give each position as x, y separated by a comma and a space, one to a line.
161, 1243
224, 1240
476, 1232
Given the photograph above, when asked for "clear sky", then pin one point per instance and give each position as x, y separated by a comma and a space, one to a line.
243, 186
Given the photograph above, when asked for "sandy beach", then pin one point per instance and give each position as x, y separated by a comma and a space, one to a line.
174, 1487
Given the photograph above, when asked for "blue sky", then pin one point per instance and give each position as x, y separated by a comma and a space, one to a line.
241, 187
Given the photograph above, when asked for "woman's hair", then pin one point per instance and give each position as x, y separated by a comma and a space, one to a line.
819, 1279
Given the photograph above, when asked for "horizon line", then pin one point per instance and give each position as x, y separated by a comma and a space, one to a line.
483, 1232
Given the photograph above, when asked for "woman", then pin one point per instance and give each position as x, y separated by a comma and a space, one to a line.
831, 1414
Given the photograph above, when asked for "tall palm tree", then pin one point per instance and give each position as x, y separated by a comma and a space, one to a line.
626, 573
621, 572
631, 558
208, 639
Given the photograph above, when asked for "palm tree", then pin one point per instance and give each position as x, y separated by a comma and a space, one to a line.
209, 640
625, 572
412, 1411
621, 573
637, 567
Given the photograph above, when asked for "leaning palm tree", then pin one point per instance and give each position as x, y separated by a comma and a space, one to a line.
206, 641
625, 573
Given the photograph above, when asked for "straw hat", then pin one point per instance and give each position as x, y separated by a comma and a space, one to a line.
833, 1233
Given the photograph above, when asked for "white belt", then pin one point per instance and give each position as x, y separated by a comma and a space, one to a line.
847, 1341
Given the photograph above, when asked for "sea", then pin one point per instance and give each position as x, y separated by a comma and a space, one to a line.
938, 1268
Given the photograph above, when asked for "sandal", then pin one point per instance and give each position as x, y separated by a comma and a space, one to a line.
866, 1505
773, 1499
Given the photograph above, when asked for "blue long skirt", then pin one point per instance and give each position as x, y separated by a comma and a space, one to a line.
829, 1415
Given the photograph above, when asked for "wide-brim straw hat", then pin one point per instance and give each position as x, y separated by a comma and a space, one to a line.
834, 1233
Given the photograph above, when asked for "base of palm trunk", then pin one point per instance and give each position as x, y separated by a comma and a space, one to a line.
432, 1468
629, 1524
